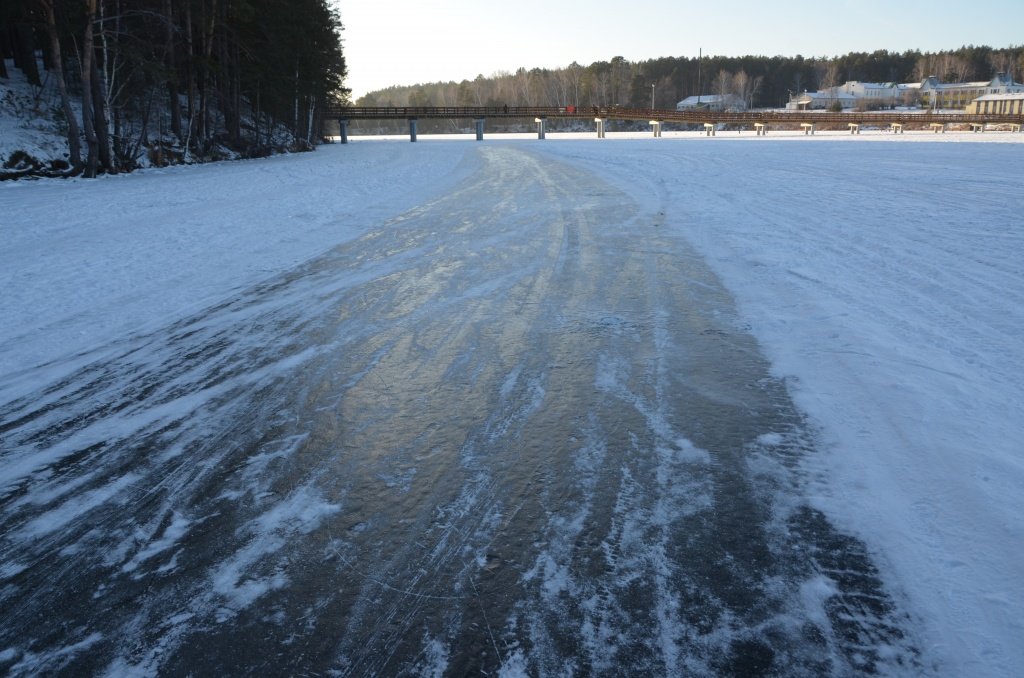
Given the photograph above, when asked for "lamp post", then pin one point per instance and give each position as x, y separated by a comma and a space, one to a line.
699, 55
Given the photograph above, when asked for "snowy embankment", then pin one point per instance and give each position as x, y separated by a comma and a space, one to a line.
882, 277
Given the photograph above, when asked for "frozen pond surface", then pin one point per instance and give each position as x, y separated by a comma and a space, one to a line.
454, 407
520, 426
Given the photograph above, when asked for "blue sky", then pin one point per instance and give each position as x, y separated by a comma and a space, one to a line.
404, 42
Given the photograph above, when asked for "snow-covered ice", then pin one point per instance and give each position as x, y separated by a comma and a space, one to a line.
884, 281
86, 261
881, 275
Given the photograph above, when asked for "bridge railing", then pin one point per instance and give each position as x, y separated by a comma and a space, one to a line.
387, 112
684, 116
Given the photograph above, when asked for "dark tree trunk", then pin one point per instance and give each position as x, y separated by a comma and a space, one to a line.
256, 118
190, 76
227, 91
88, 108
74, 141
99, 98
174, 106
237, 80
24, 53
6, 49
209, 23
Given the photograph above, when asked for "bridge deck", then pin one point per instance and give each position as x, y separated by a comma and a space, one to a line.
882, 118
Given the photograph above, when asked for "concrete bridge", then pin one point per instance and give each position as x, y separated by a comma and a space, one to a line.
759, 121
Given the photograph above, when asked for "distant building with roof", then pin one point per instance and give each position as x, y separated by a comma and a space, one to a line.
928, 93
822, 99
999, 104
881, 91
937, 94
882, 94
712, 102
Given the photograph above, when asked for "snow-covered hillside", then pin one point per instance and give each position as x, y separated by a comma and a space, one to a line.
33, 131
29, 119
882, 276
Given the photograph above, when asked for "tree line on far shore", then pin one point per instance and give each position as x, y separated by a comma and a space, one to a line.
762, 82
182, 78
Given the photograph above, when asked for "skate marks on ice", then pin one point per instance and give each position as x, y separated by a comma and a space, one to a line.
519, 428
684, 547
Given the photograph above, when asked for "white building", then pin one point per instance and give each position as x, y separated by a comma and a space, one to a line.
712, 102
959, 94
823, 100
909, 93
930, 92
882, 93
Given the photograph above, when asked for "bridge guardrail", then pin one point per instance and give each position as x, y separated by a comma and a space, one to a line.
686, 117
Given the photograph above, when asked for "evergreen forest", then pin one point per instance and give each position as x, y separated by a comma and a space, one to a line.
176, 80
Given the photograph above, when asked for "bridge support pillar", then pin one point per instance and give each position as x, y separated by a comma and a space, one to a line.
600, 127
479, 122
854, 127
896, 128
977, 126
656, 127
709, 129
807, 127
343, 130
541, 124
760, 129
938, 127
412, 129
